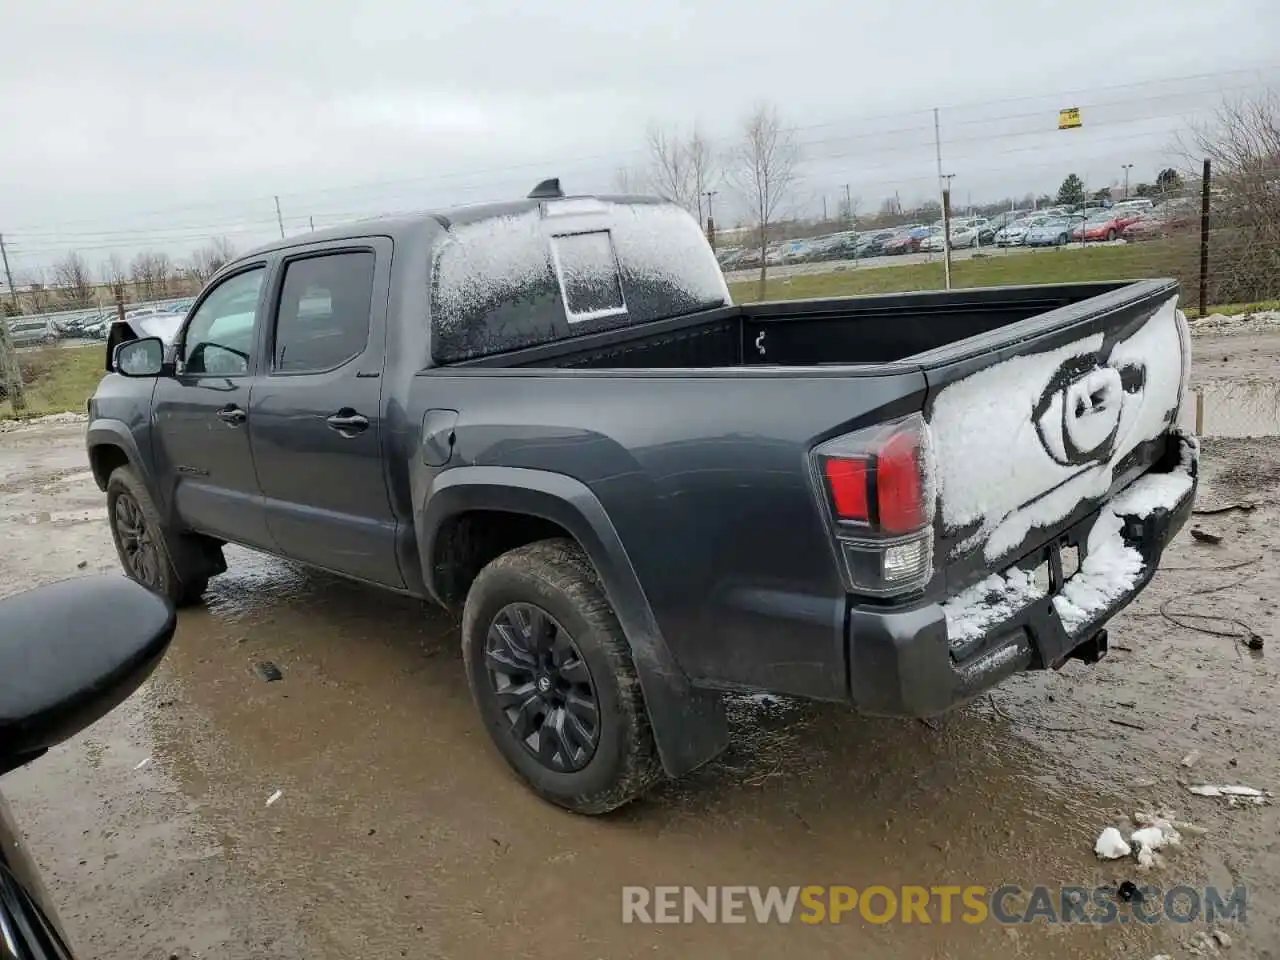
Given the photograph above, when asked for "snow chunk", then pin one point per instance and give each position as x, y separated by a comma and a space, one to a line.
1020, 444
1111, 845
974, 610
1108, 572
1148, 840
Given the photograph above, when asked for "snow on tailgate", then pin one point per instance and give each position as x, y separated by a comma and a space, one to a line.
1019, 445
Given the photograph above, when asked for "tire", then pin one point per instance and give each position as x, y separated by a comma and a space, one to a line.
142, 542
1111, 235
1062, 239
550, 591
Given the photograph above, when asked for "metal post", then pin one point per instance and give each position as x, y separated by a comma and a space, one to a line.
1204, 240
946, 233
8, 275
1127, 168
279, 218
711, 219
1199, 411
943, 195
312, 221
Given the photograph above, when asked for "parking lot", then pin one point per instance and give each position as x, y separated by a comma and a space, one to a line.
398, 832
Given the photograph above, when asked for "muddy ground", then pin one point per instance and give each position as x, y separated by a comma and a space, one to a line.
399, 832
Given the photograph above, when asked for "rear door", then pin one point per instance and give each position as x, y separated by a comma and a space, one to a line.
201, 432
316, 414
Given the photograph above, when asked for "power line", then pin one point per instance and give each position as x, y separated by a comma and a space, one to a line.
614, 157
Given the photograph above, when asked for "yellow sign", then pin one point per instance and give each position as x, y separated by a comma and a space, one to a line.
1069, 118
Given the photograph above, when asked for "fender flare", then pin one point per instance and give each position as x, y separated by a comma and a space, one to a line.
115, 433
689, 725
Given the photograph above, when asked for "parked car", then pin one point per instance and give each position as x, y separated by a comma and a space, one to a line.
1148, 227
72, 652
31, 331
1103, 226
548, 442
1015, 233
1052, 233
873, 244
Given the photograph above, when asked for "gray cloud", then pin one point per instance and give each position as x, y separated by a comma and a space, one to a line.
139, 122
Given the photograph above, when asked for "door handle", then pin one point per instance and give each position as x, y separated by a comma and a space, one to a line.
233, 415
347, 422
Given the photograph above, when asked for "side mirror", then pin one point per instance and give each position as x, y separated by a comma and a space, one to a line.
69, 654
140, 358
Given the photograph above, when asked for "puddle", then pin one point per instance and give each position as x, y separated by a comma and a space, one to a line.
1234, 408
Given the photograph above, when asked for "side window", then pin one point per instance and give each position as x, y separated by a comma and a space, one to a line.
219, 339
324, 312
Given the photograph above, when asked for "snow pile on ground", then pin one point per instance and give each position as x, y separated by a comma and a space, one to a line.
1220, 322
53, 418
973, 611
1111, 845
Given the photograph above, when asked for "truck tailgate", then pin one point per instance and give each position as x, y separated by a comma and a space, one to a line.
1034, 423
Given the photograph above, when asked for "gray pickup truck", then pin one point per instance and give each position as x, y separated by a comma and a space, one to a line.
549, 414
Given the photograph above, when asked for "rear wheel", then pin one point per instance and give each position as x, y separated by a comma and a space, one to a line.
552, 676
1111, 235
142, 542
1062, 239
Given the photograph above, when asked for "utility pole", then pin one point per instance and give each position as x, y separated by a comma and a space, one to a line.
10, 372
711, 220
848, 204
279, 218
312, 221
824, 208
8, 274
1127, 168
945, 200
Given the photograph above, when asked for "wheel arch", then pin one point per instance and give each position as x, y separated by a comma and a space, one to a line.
513, 506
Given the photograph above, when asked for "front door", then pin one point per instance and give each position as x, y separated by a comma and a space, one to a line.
201, 438
316, 416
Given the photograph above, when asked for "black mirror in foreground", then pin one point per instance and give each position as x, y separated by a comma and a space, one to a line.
140, 358
71, 652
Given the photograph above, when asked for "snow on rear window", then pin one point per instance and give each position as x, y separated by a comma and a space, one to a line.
495, 285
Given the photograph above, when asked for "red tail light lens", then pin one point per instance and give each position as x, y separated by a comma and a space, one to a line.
900, 485
847, 478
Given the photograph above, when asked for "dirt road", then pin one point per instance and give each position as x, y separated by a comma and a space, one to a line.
399, 833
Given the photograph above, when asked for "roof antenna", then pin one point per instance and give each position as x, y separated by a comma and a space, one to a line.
547, 190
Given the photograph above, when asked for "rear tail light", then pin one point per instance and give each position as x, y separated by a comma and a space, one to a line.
877, 492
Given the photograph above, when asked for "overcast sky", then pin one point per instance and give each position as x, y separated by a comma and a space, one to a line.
143, 123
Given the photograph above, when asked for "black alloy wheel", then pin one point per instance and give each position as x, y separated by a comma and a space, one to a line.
543, 686
137, 544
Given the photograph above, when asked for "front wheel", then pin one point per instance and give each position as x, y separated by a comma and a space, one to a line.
142, 544
1111, 235
552, 676
1062, 239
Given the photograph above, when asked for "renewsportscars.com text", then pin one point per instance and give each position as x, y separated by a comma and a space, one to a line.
1008, 904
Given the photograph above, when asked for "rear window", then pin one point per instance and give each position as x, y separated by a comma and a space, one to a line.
564, 269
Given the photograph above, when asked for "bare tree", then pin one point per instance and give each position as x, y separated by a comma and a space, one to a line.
671, 174
209, 259
764, 170
142, 271
71, 275
850, 205
1243, 147
114, 273
630, 180
38, 292
682, 169
704, 170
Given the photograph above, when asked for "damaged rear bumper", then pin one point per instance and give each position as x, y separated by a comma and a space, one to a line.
907, 662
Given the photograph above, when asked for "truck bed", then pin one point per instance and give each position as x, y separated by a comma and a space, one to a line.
847, 330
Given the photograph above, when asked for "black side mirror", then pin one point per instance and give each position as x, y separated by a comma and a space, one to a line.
140, 358
69, 654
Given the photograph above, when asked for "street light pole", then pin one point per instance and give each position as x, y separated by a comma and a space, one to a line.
1127, 168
